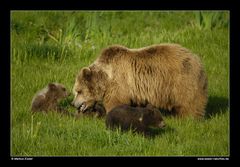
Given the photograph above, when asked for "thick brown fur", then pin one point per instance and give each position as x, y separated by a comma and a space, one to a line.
139, 119
47, 99
168, 76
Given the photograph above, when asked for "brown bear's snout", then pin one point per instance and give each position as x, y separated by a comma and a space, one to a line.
79, 105
76, 104
161, 124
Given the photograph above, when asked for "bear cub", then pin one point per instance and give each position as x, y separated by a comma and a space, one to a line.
139, 119
48, 98
97, 111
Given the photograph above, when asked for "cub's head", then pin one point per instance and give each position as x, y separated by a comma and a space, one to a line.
153, 117
57, 91
89, 88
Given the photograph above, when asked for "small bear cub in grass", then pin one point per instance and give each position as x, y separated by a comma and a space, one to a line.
97, 111
48, 98
139, 119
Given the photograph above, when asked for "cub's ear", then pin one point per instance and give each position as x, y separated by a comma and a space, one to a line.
51, 86
149, 106
86, 73
152, 108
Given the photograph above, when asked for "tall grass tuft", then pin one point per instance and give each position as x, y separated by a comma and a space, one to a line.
211, 20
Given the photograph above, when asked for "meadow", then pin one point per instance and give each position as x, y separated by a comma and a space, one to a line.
52, 46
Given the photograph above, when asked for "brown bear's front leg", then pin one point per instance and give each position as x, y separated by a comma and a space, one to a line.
112, 103
115, 97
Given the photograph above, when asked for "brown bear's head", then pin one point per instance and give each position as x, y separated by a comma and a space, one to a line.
89, 88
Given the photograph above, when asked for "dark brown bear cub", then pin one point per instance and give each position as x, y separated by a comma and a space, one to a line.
139, 119
48, 98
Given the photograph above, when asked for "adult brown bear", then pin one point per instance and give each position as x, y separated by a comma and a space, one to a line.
167, 76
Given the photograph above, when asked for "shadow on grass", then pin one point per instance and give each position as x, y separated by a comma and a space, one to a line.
216, 105
152, 133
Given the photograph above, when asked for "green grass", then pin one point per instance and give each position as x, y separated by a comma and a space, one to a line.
53, 46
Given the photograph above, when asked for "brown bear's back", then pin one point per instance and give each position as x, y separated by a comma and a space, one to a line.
167, 75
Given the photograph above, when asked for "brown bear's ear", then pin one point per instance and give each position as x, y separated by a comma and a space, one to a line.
51, 86
86, 73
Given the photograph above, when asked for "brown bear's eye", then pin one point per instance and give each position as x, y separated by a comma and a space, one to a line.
79, 92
